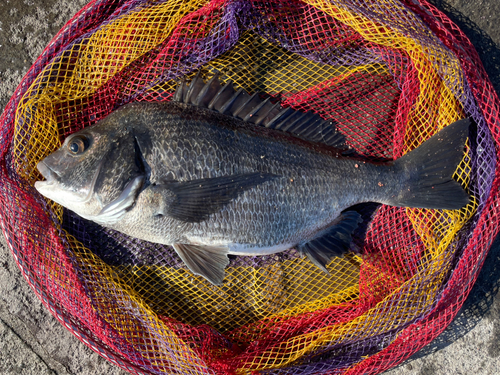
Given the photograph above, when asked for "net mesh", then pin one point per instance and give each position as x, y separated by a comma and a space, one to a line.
390, 73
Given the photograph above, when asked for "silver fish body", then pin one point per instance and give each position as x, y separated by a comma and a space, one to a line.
310, 188
212, 184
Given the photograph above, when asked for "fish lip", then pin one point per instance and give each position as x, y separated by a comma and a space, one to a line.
49, 175
52, 179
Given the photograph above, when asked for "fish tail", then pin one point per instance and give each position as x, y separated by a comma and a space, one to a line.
427, 171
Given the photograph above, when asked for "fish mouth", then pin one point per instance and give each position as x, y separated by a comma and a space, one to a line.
50, 176
53, 187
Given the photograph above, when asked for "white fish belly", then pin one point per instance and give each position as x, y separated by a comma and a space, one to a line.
248, 250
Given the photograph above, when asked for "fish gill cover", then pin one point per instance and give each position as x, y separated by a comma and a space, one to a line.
389, 73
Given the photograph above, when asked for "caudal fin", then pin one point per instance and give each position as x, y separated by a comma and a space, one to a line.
430, 168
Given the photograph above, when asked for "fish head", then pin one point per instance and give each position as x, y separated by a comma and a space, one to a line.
93, 169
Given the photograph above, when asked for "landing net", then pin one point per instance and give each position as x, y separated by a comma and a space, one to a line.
390, 73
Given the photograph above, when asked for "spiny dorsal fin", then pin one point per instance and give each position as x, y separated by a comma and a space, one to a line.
251, 108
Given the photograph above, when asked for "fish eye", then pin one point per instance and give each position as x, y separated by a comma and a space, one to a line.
78, 145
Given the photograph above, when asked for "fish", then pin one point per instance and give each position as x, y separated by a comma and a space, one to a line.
216, 171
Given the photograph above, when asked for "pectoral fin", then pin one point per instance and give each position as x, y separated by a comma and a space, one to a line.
194, 201
335, 241
114, 210
206, 261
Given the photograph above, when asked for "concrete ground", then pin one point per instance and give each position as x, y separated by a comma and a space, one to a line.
33, 342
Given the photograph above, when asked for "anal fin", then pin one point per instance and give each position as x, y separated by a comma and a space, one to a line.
334, 241
206, 261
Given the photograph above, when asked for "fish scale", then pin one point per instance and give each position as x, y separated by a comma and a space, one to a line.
244, 177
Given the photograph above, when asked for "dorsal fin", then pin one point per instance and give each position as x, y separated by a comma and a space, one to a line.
251, 108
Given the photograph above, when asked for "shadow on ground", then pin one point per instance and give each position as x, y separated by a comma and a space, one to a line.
487, 49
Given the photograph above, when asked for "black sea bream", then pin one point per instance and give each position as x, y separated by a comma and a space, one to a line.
217, 172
